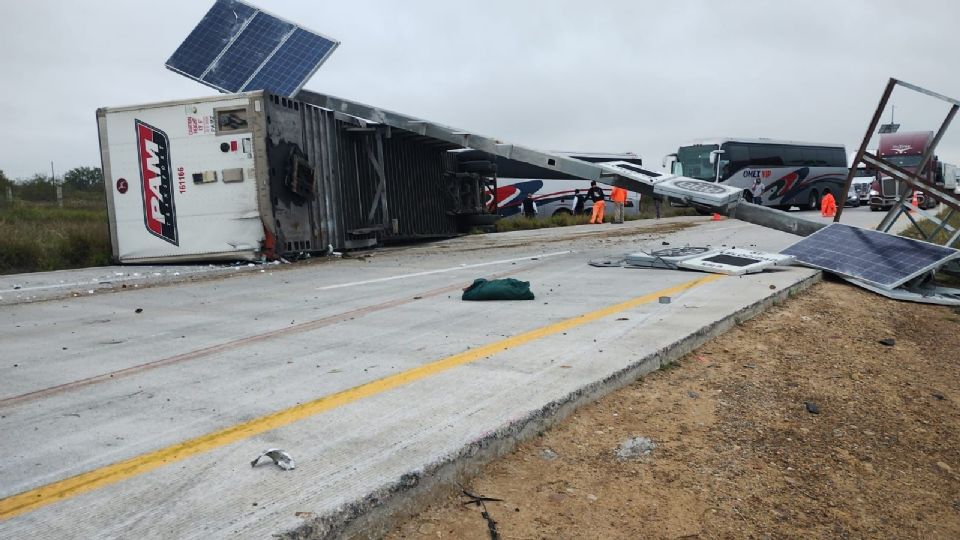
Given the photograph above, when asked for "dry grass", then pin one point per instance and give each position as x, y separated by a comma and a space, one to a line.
520, 223
928, 226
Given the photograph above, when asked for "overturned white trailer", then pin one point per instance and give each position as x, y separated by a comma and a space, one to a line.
252, 175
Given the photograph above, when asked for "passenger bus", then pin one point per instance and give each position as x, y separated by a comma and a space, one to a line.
553, 191
793, 173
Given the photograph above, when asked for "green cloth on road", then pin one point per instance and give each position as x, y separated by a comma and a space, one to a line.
498, 289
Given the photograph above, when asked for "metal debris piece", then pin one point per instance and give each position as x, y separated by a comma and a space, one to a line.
812, 407
888, 342
279, 457
926, 293
664, 299
664, 258
480, 500
605, 263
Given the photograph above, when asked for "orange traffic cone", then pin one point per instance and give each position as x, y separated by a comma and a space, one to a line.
915, 202
716, 217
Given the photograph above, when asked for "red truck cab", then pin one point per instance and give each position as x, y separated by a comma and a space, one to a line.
905, 151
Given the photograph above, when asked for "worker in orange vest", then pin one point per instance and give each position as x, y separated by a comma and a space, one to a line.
595, 194
619, 197
828, 206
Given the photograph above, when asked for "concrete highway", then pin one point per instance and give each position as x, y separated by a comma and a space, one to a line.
135, 411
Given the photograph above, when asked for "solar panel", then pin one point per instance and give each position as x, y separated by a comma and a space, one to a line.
237, 47
881, 259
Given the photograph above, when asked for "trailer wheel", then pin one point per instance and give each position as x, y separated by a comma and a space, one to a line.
813, 202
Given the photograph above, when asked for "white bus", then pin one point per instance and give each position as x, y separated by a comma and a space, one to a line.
554, 192
793, 173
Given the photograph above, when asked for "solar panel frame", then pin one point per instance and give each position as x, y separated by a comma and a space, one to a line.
883, 260
252, 50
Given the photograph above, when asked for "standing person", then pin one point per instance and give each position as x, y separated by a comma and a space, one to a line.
596, 195
757, 191
529, 207
578, 202
619, 197
657, 199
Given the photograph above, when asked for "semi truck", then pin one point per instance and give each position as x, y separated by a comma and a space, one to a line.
257, 175
905, 150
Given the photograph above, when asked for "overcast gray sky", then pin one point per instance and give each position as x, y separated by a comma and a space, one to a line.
600, 75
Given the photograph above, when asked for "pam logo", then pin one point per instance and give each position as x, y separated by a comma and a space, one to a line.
901, 148
159, 213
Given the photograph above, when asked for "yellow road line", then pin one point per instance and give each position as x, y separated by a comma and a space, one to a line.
110, 474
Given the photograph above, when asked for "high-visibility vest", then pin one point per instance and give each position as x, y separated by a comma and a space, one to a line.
618, 194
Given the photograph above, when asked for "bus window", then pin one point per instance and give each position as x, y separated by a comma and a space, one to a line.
792, 157
765, 155
809, 157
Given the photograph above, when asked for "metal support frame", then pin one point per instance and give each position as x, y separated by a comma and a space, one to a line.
464, 139
380, 197
909, 181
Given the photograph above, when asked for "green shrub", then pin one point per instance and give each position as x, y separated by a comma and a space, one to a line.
41, 236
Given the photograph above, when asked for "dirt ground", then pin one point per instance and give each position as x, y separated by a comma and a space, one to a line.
738, 454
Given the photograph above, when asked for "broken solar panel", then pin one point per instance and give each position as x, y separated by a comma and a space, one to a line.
881, 259
237, 47
734, 262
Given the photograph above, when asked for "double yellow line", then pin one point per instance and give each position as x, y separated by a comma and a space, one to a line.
110, 474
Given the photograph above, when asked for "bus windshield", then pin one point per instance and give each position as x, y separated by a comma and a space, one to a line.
694, 162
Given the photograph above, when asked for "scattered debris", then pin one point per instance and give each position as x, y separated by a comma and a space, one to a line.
938, 396
889, 342
635, 448
693, 395
812, 407
138, 310
944, 467
279, 457
729, 261
622, 319
664, 299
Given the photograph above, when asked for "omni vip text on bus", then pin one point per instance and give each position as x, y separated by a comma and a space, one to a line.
792, 173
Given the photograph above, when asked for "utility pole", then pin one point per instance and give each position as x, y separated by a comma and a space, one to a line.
53, 178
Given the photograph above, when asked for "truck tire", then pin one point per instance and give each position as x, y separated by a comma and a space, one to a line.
474, 155
813, 200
